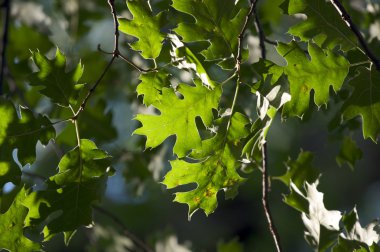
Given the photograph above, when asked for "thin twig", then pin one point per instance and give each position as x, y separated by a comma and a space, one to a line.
265, 180
265, 201
7, 6
347, 19
261, 33
117, 221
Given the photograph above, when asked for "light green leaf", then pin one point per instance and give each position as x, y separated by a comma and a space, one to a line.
151, 86
300, 171
21, 134
12, 227
365, 102
178, 117
213, 168
216, 21
349, 153
145, 27
60, 86
325, 69
66, 203
323, 24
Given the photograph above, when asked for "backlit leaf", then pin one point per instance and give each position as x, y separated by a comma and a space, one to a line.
323, 24
177, 117
365, 102
21, 134
12, 227
213, 168
60, 86
145, 27
217, 21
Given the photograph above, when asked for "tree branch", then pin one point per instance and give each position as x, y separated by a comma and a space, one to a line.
6, 5
127, 233
347, 19
265, 180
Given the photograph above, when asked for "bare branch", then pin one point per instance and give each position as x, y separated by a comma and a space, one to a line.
265, 180
265, 200
6, 6
127, 233
347, 19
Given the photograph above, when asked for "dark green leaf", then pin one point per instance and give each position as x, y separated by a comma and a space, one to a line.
60, 86
349, 153
21, 134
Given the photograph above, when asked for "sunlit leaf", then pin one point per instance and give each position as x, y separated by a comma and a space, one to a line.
217, 21
177, 117
323, 24
213, 168
365, 102
145, 27
12, 227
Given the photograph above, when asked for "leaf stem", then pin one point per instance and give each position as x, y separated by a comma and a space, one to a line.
347, 19
7, 7
123, 227
360, 63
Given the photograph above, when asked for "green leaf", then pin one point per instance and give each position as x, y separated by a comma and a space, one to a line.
349, 153
60, 86
322, 225
232, 246
365, 102
66, 203
21, 134
145, 27
300, 171
178, 117
12, 227
216, 21
64, 209
213, 168
325, 69
151, 86
323, 24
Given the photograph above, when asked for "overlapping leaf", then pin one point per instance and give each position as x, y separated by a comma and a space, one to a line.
21, 134
12, 227
60, 86
214, 167
217, 21
300, 171
323, 24
177, 116
357, 238
365, 102
322, 225
349, 153
70, 193
145, 27
325, 69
